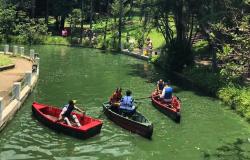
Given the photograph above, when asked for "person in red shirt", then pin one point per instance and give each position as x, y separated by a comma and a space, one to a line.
116, 97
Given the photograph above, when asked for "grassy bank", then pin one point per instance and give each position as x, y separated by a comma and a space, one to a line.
5, 60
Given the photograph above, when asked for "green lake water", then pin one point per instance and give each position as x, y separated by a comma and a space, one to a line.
208, 129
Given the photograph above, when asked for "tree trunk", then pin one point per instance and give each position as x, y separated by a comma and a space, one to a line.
70, 26
130, 10
62, 22
57, 25
105, 34
179, 21
81, 32
214, 57
33, 7
106, 26
91, 14
47, 12
120, 26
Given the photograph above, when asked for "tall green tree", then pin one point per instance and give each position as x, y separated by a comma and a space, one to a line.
175, 20
225, 25
61, 9
7, 21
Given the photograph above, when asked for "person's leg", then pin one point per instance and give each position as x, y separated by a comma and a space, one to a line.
67, 121
76, 120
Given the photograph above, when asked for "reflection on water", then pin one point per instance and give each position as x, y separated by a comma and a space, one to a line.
206, 131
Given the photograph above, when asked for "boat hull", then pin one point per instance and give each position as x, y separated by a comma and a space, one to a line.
172, 110
90, 129
143, 129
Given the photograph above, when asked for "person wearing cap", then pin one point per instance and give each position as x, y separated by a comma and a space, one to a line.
160, 86
116, 97
167, 92
66, 113
127, 104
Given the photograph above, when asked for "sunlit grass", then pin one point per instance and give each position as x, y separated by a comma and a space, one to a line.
5, 60
132, 27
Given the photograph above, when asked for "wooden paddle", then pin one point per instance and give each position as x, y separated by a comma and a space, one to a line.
143, 98
178, 98
83, 112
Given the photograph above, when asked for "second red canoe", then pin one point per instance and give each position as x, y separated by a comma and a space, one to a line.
173, 109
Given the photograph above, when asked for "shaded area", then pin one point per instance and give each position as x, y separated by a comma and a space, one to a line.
152, 74
238, 150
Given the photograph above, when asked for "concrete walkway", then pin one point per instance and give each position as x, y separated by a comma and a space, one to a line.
8, 77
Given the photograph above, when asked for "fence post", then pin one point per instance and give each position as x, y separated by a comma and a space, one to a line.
21, 49
17, 90
37, 62
29, 77
15, 50
32, 53
1, 108
6, 48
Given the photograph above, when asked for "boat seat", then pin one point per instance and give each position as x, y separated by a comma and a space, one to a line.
51, 117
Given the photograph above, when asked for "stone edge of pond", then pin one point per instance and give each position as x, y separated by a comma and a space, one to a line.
10, 66
136, 55
124, 51
11, 109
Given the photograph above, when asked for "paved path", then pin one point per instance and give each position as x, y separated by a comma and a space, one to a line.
8, 77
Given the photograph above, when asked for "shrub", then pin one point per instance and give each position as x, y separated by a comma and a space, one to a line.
31, 31
86, 42
75, 41
56, 40
204, 78
229, 95
238, 98
154, 59
20, 39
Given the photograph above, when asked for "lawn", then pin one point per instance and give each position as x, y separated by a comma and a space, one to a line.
5, 60
132, 27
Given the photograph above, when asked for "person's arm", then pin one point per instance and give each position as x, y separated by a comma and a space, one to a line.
78, 109
121, 102
132, 101
62, 112
158, 86
163, 93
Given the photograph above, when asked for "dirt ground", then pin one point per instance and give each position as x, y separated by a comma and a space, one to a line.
8, 77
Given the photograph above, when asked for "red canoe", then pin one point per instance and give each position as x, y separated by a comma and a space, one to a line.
48, 115
170, 109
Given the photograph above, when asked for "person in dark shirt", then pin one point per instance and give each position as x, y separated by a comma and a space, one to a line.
160, 86
66, 113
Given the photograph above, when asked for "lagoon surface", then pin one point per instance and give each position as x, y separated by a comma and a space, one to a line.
208, 129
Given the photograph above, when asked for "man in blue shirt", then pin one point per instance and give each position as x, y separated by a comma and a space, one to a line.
167, 93
127, 103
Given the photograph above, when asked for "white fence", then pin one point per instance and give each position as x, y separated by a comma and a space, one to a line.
17, 88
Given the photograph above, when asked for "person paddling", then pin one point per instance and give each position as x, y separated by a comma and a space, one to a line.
66, 113
167, 92
160, 86
127, 104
